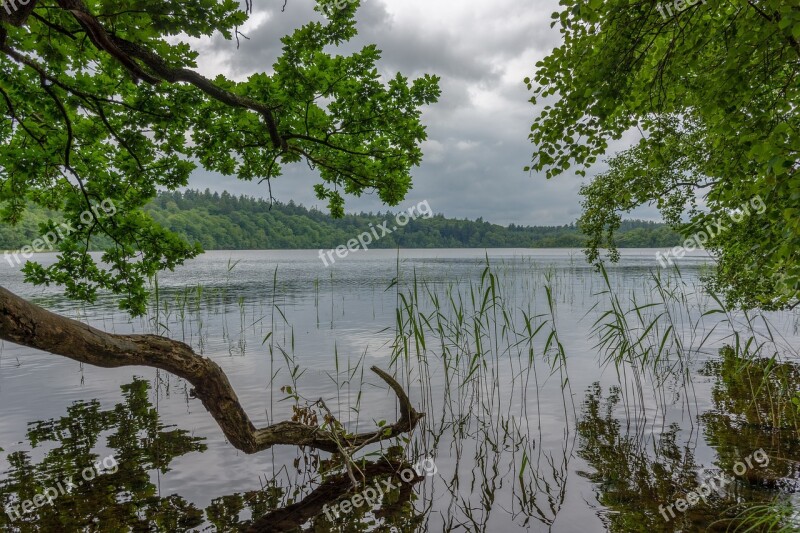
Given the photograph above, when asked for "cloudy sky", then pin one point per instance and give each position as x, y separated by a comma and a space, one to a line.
477, 134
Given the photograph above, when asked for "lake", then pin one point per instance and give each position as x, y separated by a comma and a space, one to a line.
556, 397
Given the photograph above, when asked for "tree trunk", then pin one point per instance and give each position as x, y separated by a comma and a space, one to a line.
29, 325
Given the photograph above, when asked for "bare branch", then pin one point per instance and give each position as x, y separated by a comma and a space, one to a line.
26, 324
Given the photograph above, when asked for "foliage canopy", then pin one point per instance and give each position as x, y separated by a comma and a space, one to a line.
714, 91
100, 102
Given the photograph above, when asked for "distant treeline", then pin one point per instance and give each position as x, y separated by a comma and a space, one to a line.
226, 222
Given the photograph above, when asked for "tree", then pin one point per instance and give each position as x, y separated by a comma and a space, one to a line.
101, 107
84, 84
713, 89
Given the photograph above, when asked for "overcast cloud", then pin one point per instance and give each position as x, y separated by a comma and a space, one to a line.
478, 131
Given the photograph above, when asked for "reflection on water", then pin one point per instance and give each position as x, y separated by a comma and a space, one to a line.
638, 473
754, 408
127, 498
754, 395
556, 399
122, 494
636, 477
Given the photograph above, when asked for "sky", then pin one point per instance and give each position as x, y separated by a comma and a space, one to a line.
478, 131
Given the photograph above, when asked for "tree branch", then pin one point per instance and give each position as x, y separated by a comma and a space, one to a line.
26, 324
173, 75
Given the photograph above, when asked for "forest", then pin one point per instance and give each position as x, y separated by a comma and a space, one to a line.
226, 222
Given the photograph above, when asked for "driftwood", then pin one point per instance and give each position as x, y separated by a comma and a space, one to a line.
26, 324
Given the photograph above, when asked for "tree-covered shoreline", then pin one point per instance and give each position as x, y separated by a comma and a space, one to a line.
226, 222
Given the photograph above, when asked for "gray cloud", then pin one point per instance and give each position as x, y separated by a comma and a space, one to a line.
478, 132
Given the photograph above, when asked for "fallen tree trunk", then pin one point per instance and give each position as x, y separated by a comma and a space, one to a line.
26, 324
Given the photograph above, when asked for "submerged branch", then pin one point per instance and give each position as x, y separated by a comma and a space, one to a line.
26, 324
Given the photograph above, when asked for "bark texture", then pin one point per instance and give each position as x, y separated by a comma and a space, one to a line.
26, 324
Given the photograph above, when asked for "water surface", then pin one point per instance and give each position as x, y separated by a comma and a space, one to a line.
535, 419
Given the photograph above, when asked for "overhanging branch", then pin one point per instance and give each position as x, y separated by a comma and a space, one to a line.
26, 324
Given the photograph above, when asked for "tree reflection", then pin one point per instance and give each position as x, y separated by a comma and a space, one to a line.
112, 501
125, 499
278, 512
753, 409
639, 473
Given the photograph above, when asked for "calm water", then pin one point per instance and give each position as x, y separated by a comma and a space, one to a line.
528, 431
